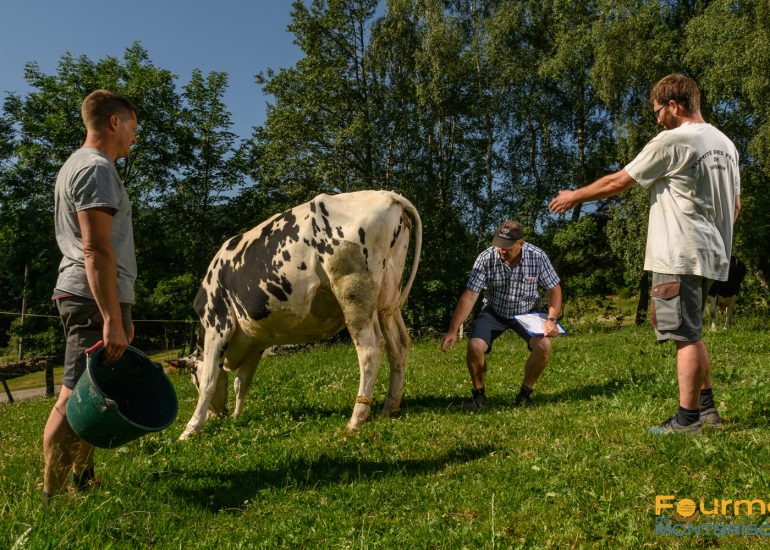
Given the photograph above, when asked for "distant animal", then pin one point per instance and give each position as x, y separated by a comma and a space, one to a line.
301, 276
725, 293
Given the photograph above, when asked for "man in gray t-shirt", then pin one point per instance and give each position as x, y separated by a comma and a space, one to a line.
95, 287
89, 180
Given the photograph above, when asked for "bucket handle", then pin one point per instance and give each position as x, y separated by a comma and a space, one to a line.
95, 347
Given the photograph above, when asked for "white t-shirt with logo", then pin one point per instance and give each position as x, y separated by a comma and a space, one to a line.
693, 178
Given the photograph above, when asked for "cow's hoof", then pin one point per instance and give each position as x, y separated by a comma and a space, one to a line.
356, 423
391, 407
392, 413
187, 434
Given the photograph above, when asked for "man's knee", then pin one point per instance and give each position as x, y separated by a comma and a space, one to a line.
61, 401
477, 347
541, 345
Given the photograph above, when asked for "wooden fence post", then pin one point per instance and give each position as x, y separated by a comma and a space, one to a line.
49, 391
7, 391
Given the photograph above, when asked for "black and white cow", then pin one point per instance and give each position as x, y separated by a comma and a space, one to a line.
301, 276
724, 293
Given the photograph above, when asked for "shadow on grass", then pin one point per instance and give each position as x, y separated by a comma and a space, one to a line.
227, 491
422, 403
591, 391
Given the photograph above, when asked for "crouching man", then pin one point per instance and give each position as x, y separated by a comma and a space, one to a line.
510, 272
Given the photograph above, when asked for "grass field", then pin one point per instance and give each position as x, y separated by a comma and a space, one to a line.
577, 470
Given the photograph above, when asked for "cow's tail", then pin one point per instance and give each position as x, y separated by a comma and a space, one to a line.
414, 217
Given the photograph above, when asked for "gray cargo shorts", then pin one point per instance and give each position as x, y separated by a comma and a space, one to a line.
83, 324
676, 308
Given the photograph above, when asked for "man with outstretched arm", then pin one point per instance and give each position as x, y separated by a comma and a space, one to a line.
691, 170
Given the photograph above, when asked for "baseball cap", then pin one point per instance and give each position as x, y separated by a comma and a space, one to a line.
507, 234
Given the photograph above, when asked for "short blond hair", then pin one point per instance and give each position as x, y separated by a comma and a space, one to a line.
100, 105
682, 89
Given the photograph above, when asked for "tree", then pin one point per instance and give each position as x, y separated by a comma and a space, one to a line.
729, 45
635, 45
40, 130
211, 167
318, 135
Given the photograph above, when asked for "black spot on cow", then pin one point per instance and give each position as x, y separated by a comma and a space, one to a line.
322, 246
286, 284
340, 234
315, 226
257, 269
286, 255
215, 313
396, 233
208, 277
327, 227
277, 291
312, 207
362, 235
366, 254
240, 309
233, 243
302, 267
324, 211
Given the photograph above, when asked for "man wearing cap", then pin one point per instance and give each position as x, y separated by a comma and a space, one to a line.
509, 272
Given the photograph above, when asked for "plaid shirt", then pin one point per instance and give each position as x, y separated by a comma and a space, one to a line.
512, 290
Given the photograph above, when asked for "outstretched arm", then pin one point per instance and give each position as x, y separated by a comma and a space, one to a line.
606, 186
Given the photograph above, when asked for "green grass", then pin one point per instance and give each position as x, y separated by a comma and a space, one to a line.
577, 470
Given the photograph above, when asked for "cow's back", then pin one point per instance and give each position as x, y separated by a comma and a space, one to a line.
275, 278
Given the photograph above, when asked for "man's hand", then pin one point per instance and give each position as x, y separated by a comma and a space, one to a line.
551, 329
449, 341
563, 202
115, 341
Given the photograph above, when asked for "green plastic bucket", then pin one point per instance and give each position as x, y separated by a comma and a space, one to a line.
114, 404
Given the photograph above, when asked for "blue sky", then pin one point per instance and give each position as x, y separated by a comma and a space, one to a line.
241, 37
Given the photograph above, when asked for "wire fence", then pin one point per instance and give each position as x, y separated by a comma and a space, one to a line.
41, 334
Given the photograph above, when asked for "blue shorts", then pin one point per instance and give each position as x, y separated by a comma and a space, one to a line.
489, 326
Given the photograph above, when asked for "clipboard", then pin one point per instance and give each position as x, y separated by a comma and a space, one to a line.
534, 323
